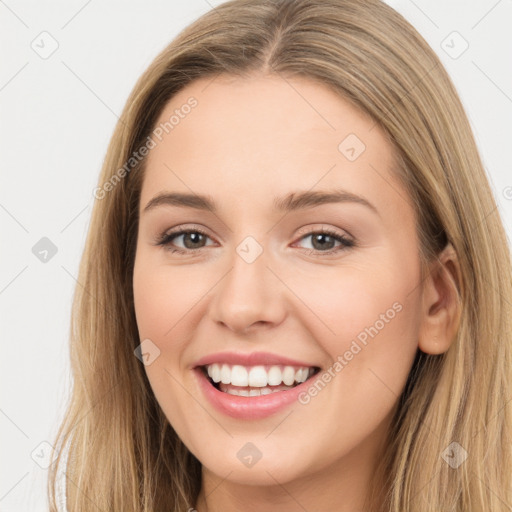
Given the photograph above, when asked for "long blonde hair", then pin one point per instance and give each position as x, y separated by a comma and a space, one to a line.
123, 454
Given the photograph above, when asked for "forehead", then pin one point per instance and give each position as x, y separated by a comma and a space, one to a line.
227, 135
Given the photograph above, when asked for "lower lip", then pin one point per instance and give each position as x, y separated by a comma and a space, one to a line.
249, 407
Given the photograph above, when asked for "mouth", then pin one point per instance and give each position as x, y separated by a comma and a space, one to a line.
254, 381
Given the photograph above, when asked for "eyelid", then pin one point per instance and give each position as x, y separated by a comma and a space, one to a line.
309, 230
185, 228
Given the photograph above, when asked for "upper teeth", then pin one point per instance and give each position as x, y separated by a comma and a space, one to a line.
257, 376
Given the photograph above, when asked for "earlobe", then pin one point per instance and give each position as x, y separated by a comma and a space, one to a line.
441, 304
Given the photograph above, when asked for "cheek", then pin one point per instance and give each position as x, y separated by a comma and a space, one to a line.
369, 326
344, 305
372, 351
163, 296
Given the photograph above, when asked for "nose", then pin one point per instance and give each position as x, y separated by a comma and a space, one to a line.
248, 295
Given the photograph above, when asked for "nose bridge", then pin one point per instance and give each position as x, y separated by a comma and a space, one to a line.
249, 292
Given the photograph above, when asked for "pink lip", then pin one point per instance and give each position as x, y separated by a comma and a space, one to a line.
252, 359
248, 407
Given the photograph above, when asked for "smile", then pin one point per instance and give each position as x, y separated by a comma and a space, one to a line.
258, 380
252, 386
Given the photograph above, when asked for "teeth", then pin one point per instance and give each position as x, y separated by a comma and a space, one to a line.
233, 390
288, 375
301, 374
275, 376
239, 376
214, 372
257, 376
225, 374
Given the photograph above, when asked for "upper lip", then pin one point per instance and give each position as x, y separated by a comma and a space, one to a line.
250, 359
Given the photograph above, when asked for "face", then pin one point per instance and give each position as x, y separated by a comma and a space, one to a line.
286, 268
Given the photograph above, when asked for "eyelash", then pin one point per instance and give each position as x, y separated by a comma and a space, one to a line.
165, 240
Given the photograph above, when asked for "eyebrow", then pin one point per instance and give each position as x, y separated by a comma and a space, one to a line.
294, 201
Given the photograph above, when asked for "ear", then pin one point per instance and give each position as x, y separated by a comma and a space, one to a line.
441, 305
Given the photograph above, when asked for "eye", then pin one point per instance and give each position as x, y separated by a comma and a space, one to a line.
325, 240
192, 239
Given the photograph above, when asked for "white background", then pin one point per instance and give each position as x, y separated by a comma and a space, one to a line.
56, 119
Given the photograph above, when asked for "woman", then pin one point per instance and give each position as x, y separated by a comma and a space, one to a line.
296, 286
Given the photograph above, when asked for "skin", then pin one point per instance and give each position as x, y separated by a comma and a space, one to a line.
247, 141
